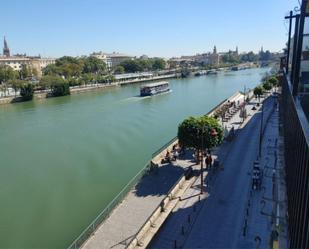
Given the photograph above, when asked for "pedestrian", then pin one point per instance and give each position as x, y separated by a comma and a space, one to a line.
210, 160
207, 162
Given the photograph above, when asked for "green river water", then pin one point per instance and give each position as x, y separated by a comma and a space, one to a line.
64, 159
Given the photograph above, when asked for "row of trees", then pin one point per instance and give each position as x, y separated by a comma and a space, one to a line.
140, 65
7, 73
268, 83
232, 58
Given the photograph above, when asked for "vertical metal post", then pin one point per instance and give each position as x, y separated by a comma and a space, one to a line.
261, 131
289, 43
202, 159
294, 48
299, 48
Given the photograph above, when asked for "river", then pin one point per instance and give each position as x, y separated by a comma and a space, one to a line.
63, 159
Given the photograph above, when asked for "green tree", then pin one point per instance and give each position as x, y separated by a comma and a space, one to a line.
197, 132
258, 91
131, 66
51, 69
25, 72
94, 65
119, 69
27, 91
273, 81
7, 73
267, 86
158, 64
60, 87
16, 84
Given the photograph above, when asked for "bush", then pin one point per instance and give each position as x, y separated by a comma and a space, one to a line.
26, 91
60, 89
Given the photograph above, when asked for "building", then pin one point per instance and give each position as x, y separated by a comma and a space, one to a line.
295, 116
6, 50
112, 59
16, 62
209, 58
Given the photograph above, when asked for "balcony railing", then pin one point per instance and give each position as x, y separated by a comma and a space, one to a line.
296, 140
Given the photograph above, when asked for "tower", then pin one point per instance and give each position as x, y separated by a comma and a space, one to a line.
236, 50
215, 50
6, 50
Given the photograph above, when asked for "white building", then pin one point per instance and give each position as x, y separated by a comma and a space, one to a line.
112, 59
16, 62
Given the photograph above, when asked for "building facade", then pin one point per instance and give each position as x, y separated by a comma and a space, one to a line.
16, 62
112, 59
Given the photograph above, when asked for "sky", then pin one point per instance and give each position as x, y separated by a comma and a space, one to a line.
164, 28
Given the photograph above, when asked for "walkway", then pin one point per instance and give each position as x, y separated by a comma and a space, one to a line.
218, 220
129, 216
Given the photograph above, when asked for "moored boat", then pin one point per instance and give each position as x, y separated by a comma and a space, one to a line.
154, 88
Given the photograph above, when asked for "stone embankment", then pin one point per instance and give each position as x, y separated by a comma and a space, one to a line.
87, 88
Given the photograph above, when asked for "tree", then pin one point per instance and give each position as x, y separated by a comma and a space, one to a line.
119, 69
26, 91
131, 66
200, 133
94, 65
16, 84
25, 72
273, 81
196, 132
267, 86
7, 73
60, 87
258, 91
158, 64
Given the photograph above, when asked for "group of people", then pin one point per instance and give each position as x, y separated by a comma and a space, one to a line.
208, 158
174, 154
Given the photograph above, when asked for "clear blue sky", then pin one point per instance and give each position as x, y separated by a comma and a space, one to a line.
154, 27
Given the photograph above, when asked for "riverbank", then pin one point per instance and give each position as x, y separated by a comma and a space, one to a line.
143, 198
87, 88
93, 87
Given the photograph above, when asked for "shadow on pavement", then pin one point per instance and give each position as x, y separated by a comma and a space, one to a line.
160, 181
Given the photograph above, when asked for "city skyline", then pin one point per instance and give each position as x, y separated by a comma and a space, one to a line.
172, 29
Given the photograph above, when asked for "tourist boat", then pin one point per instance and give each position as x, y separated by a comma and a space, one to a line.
155, 88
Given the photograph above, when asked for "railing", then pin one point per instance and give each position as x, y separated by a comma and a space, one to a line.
296, 153
107, 210
157, 152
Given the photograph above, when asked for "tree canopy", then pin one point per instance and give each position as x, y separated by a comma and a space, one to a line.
258, 91
196, 132
140, 65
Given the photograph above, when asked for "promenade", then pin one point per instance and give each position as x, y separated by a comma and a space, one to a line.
119, 229
231, 214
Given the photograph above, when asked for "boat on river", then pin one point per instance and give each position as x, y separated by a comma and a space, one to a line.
154, 88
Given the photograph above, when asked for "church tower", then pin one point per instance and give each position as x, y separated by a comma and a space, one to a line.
215, 50
6, 50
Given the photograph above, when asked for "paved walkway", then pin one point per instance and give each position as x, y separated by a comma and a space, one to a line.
218, 220
129, 216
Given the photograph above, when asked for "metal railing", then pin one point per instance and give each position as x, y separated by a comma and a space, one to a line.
157, 152
108, 209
